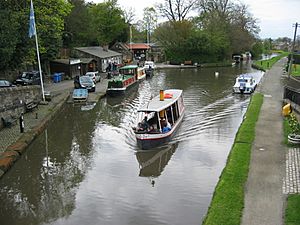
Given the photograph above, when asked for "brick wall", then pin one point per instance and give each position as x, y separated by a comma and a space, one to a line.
12, 100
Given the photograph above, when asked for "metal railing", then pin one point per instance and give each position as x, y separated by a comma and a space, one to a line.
292, 94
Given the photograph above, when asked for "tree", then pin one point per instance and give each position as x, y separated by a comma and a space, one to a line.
176, 10
77, 25
149, 21
17, 46
49, 18
230, 21
108, 23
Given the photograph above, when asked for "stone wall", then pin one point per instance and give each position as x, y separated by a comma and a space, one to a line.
13, 99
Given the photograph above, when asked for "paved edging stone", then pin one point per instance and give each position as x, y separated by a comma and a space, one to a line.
14, 151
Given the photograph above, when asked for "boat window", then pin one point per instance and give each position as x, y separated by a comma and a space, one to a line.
175, 111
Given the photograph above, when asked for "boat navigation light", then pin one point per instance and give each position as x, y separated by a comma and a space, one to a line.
161, 95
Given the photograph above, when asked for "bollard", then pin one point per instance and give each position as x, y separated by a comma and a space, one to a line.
36, 115
21, 123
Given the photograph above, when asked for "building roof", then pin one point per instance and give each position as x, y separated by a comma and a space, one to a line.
138, 46
86, 60
98, 52
128, 67
67, 61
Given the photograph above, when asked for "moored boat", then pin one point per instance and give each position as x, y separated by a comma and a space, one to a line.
244, 84
149, 67
128, 76
80, 95
159, 119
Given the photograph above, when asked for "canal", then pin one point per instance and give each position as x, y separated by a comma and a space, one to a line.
86, 168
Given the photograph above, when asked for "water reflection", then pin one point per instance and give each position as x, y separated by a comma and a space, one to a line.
153, 162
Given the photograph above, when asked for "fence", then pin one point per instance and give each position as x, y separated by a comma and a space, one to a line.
292, 94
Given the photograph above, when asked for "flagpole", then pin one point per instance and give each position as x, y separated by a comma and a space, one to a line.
39, 62
38, 53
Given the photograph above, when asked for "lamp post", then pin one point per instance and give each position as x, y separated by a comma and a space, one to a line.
293, 49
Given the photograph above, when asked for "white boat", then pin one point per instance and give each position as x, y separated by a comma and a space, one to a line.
159, 119
80, 95
244, 84
149, 67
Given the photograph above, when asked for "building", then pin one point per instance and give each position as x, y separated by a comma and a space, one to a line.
139, 50
73, 67
124, 50
102, 55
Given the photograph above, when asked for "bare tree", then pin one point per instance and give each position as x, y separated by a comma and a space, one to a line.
129, 15
176, 10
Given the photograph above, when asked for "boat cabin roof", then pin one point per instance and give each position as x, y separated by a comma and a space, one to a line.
155, 105
128, 67
245, 77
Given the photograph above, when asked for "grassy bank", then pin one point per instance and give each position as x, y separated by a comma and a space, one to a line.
228, 199
292, 216
268, 63
295, 70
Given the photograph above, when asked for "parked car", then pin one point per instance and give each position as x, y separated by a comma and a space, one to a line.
85, 82
5, 83
29, 78
94, 75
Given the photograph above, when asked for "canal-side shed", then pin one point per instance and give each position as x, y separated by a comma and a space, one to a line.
102, 55
70, 67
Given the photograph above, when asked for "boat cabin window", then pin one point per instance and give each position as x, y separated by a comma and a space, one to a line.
242, 80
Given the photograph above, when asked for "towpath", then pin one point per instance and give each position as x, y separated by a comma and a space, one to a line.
265, 191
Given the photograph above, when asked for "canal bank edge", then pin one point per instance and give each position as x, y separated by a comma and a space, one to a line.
14, 151
228, 199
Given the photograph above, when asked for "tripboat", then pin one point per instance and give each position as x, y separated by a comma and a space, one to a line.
159, 119
128, 76
244, 84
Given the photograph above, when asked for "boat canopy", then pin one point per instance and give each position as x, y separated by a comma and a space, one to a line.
128, 67
155, 105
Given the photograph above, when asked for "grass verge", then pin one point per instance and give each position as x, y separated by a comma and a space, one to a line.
268, 63
292, 215
295, 70
227, 203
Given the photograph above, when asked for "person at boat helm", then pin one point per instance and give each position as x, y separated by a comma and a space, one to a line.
144, 125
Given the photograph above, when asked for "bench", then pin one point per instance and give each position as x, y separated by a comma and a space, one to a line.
30, 106
189, 62
9, 121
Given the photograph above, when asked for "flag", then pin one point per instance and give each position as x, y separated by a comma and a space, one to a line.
31, 21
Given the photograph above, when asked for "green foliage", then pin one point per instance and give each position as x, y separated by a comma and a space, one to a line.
257, 49
292, 215
49, 17
228, 200
9, 38
107, 23
293, 123
16, 47
182, 42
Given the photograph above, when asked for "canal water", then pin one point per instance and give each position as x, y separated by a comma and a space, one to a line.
87, 169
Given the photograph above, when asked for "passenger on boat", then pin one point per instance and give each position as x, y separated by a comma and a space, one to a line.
144, 125
166, 126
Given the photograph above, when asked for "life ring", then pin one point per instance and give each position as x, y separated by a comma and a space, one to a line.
168, 95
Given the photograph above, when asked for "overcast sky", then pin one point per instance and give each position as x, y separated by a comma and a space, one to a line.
276, 17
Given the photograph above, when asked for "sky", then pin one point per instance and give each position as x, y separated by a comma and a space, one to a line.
276, 18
